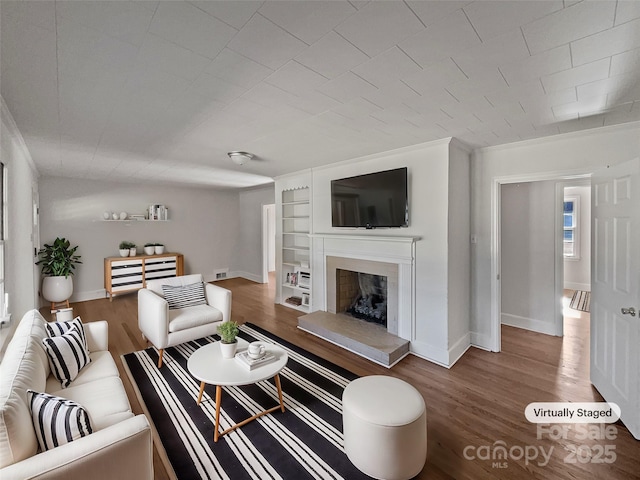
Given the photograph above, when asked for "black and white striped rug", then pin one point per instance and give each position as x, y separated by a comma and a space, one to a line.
581, 301
303, 442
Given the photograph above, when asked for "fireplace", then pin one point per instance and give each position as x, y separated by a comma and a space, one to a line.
362, 295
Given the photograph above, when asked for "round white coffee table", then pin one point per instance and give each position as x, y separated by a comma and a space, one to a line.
207, 365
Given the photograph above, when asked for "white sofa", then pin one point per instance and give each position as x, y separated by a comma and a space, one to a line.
165, 328
121, 443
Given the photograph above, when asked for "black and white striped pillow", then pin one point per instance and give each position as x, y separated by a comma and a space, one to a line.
57, 420
68, 354
182, 296
55, 329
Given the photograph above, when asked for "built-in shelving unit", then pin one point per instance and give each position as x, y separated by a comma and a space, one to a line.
294, 273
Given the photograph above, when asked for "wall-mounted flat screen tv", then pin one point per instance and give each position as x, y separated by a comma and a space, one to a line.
373, 200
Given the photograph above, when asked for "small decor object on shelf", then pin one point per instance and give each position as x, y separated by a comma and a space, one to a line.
228, 331
149, 248
158, 212
125, 248
244, 359
159, 248
114, 216
106, 215
133, 250
123, 215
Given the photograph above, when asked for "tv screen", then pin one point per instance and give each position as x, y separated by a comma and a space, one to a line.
373, 200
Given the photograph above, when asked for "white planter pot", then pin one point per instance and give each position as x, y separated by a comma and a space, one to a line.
124, 252
133, 252
149, 250
57, 289
228, 350
159, 249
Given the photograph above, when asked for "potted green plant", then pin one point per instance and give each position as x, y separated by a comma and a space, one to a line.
125, 248
58, 262
228, 331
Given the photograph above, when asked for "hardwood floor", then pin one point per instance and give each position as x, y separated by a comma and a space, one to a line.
471, 408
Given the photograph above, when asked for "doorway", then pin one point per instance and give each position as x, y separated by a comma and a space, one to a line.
520, 204
268, 243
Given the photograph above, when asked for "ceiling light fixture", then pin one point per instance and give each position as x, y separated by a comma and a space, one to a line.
240, 158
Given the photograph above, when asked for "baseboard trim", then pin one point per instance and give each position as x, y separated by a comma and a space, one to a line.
528, 324
459, 349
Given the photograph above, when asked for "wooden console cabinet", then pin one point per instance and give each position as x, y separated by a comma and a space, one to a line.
127, 274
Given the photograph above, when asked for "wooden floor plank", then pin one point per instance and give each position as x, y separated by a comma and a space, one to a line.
476, 403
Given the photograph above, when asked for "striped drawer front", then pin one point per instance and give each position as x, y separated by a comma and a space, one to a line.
152, 267
127, 280
160, 274
125, 263
126, 270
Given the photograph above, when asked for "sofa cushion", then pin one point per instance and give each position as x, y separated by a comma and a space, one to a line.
105, 401
24, 366
190, 317
56, 420
182, 296
101, 366
67, 354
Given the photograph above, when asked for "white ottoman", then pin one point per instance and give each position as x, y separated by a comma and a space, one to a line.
385, 427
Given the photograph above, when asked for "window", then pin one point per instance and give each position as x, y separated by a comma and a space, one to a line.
571, 231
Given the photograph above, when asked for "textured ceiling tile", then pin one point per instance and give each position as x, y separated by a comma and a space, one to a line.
433, 11
126, 21
186, 25
605, 44
214, 88
509, 47
346, 87
379, 25
331, 56
536, 66
41, 14
493, 18
577, 76
308, 21
266, 43
235, 14
611, 85
569, 24
627, 10
438, 74
449, 37
626, 62
238, 69
171, 58
296, 78
386, 67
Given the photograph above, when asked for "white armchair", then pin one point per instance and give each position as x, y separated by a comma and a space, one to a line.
165, 327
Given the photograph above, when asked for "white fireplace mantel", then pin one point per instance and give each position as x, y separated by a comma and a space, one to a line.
399, 250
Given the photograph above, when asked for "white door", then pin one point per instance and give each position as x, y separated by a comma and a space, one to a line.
615, 276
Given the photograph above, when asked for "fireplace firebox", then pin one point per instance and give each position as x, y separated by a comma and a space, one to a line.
362, 295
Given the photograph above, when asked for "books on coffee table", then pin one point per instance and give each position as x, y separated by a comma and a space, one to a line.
245, 360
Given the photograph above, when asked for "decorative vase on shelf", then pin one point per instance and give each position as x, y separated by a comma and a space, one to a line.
123, 215
159, 249
133, 251
149, 249
106, 215
124, 252
114, 216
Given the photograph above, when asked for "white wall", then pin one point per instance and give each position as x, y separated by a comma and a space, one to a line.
577, 272
528, 239
560, 156
204, 225
20, 271
249, 252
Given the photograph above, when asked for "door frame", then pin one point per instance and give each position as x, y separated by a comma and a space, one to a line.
496, 248
265, 239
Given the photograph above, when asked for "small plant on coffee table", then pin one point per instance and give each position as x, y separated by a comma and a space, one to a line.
228, 331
